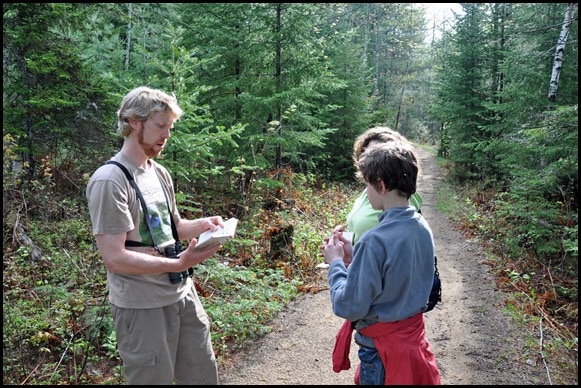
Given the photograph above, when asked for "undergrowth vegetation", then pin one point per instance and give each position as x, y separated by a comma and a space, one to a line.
57, 327
538, 275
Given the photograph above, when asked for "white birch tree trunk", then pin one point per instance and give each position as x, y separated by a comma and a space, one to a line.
560, 50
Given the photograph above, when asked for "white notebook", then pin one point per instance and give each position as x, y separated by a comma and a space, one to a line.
209, 238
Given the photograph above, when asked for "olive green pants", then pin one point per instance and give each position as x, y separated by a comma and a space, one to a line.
161, 345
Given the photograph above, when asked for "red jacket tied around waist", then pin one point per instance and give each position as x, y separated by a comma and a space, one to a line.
402, 347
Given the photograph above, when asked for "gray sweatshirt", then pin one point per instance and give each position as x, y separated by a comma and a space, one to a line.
391, 274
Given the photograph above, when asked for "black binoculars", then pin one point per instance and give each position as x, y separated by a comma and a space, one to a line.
173, 251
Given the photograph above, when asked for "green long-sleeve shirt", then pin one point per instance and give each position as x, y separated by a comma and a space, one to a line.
363, 217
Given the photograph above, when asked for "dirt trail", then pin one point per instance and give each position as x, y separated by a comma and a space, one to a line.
473, 341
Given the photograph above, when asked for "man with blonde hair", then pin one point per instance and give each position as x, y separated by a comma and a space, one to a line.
162, 329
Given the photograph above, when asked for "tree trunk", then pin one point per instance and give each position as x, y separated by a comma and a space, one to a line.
128, 36
560, 50
278, 80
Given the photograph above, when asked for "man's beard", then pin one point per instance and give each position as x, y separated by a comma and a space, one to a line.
147, 148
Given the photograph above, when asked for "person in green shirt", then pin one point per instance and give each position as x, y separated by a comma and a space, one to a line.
362, 216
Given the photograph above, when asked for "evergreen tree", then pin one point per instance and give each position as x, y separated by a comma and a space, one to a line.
271, 78
462, 91
52, 105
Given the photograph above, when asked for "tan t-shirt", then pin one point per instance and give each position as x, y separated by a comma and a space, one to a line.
114, 208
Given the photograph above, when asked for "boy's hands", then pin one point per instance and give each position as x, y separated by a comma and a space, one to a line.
347, 239
337, 247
